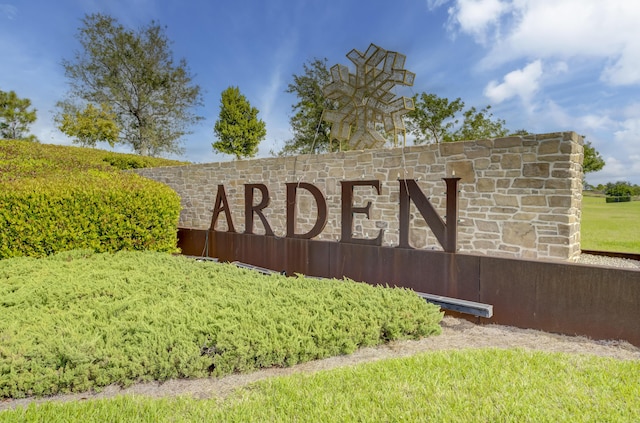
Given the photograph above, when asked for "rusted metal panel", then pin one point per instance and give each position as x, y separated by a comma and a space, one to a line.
598, 302
573, 299
193, 242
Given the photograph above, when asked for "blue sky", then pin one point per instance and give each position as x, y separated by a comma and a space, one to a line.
543, 65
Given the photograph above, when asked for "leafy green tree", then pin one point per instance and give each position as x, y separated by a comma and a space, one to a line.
433, 118
134, 73
15, 116
619, 189
238, 129
89, 125
437, 119
593, 162
310, 133
480, 124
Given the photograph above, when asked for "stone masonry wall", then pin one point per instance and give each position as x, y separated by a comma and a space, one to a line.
519, 196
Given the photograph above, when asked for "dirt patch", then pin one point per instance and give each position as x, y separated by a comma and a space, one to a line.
456, 334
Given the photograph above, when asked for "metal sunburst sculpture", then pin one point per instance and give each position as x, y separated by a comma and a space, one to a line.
365, 103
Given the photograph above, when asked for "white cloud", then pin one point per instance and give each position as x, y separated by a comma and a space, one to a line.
558, 29
595, 122
522, 83
629, 135
476, 17
8, 10
626, 70
621, 152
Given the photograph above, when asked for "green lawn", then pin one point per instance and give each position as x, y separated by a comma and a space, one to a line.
610, 226
447, 386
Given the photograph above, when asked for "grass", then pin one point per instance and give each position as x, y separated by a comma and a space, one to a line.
448, 386
77, 321
610, 226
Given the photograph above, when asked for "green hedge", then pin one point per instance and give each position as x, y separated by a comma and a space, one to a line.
76, 321
95, 210
618, 199
56, 198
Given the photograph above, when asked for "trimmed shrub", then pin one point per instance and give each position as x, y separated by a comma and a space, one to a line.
619, 199
96, 210
55, 198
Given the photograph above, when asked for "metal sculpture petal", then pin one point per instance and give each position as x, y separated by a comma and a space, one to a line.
365, 103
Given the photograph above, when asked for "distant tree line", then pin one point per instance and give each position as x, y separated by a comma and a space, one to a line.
618, 189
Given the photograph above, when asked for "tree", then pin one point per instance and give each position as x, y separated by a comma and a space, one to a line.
90, 125
592, 162
15, 117
433, 118
133, 72
437, 119
619, 189
238, 129
478, 125
310, 132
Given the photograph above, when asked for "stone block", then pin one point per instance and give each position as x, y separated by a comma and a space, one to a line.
390, 162
507, 142
487, 226
482, 163
572, 136
506, 200
511, 161
561, 174
427, 158
503, 183
476, 152
506, 210
510, 249
528, 183
552, 158
559, 201
557, 184
486, 185
555, 240
536, 170
559, 251
525, 216
549, 147
462, 169
451, 148
534, 200
519, 233
483, 245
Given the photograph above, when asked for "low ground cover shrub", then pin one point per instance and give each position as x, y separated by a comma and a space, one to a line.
76, 321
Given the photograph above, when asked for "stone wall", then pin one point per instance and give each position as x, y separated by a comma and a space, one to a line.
519, 196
